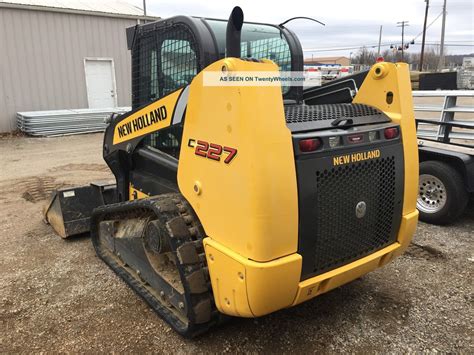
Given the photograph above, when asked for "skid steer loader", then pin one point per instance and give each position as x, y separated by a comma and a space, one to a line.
243, 200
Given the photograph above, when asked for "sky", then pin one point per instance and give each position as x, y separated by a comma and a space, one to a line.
350, 24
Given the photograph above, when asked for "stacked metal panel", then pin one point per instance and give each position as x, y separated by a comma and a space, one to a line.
466, 74
66, 122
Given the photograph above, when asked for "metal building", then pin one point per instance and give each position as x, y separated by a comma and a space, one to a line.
57, 54
344, 61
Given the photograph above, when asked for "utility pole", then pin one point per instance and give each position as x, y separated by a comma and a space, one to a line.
441, 49
424, 35
380, 41
144, 7
402, 24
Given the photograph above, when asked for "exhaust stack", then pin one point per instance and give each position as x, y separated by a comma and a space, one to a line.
234, 26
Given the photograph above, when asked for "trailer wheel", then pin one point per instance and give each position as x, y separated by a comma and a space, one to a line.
442, 196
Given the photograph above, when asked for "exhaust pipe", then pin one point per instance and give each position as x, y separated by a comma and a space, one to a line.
234, 26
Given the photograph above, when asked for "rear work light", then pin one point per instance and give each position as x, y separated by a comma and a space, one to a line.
334, 141
391, 133
373, 135
309, 145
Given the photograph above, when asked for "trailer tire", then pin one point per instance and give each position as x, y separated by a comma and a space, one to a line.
442, 196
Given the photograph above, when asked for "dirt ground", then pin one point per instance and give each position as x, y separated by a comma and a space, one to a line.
56, 295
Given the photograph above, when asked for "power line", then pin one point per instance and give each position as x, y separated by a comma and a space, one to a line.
384, 45
432, 22
336, 49
452, 44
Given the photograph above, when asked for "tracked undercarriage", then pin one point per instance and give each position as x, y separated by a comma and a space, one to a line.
155, 245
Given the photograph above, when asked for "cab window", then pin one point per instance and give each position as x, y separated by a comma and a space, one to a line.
162, 62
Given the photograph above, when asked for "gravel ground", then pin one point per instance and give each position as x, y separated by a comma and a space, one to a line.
56, 295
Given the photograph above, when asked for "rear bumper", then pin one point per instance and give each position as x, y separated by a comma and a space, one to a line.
246, 288
317, 285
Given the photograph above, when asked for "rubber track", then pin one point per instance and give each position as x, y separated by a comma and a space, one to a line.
185, 235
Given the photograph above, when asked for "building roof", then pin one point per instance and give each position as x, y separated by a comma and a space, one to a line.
110, 7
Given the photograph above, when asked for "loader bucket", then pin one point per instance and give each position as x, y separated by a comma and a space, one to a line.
69, 210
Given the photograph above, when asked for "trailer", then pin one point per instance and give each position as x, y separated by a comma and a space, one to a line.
446, 152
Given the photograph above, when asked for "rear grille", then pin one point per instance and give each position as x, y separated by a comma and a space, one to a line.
341, 236
305, 113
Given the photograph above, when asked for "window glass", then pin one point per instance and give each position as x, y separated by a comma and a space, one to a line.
257, 41
162, 62
178, 64
154, 90
168, 140
144, 71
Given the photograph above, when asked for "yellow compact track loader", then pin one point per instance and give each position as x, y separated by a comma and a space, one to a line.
243, 200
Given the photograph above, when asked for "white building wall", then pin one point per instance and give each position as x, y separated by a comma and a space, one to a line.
42, 59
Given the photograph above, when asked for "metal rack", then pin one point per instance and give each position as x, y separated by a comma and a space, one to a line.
446, 121
65, 122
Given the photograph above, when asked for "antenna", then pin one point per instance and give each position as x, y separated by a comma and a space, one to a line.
301, 17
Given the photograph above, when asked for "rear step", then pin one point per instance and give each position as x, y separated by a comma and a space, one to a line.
69, 210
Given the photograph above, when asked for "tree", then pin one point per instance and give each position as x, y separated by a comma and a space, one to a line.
364, 56
368, 57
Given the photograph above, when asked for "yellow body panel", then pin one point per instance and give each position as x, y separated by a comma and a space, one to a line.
150, 118
250, 204
249, 207
247, 288
383, 79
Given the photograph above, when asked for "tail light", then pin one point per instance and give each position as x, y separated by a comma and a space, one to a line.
391, 133
309, 145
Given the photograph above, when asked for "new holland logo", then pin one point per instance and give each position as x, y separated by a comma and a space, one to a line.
355, 157
142, 122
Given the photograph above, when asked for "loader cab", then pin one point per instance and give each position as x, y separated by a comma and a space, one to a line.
168, 54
